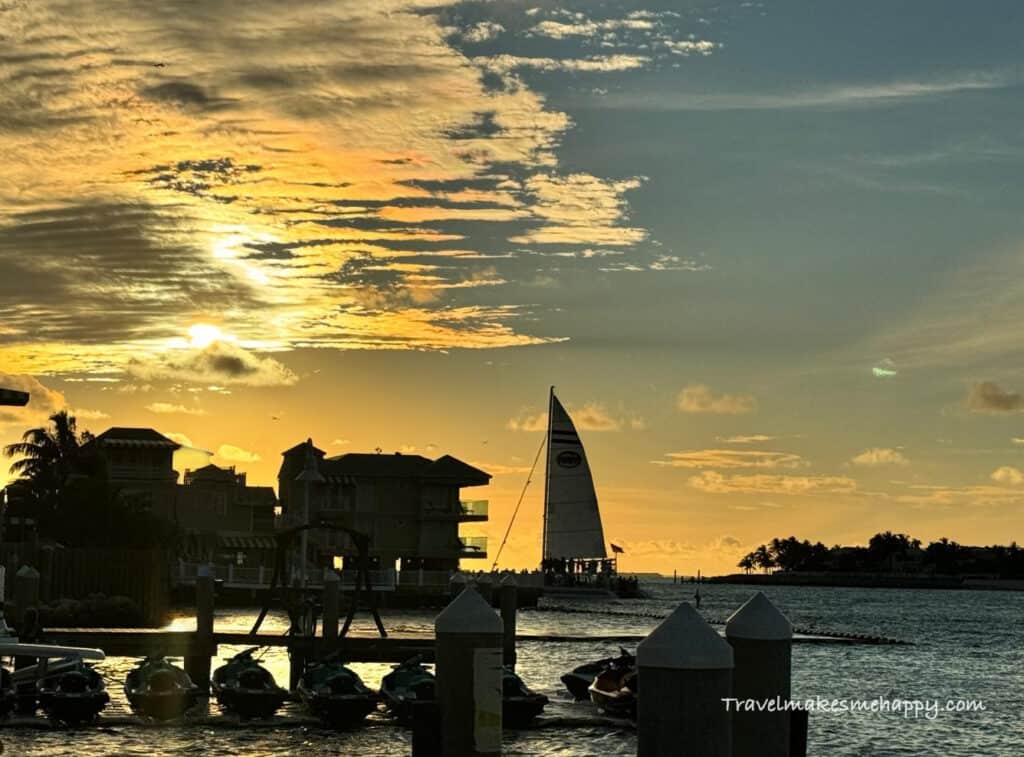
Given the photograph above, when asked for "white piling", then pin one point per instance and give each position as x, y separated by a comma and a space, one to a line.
762, 643
685, 677
469, 676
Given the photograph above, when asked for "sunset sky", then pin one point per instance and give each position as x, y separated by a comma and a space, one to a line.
771, 254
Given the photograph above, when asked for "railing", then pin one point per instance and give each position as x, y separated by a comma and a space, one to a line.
472, 546
476, 508
380, 580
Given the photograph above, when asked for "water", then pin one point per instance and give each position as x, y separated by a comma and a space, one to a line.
967, 645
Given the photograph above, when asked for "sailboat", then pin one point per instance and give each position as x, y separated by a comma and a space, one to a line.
574, 560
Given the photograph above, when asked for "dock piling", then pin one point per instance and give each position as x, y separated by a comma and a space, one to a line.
468, 651
507, 593
26, 592
762, 645
197, 663
332, 604
686, 670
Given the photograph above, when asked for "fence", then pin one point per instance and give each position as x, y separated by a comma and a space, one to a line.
76, 573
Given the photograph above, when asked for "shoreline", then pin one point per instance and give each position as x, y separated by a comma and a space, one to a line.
871, 581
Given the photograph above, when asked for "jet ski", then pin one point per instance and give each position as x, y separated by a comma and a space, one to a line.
519, 703
72, 692
336, 694
246, 688
406, 684
157, 689
578, 681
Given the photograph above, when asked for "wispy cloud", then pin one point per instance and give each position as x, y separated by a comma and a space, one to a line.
168, 408
1008, 474
731, 458
869, 94
591, 416
717, 483
988, 397
698, 398
236, 454
877, 456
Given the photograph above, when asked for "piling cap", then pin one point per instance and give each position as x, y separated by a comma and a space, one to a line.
331, 576
27, 571
468, 613
508, 580
759, 620
458, 577
684, 641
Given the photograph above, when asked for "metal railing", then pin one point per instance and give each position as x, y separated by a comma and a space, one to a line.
473, 546
475, 507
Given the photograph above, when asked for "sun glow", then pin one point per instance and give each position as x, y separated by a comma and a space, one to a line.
202, 335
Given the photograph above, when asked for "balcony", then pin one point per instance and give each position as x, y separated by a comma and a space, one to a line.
472, 546
474, 509
464, 512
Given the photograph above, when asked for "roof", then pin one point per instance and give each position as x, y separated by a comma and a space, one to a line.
301, 448
343, 468
120, 436
213, 472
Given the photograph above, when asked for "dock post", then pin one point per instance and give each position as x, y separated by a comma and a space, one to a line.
468, 652
26, 593
332, 603
762, 645
197, 664
507, 592
26, 596
686, 669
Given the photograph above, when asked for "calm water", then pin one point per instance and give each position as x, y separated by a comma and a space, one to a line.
967, 645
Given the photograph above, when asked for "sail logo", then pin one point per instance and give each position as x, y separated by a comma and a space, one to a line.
569, 459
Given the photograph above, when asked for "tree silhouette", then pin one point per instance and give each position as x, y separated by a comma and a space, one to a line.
46, 459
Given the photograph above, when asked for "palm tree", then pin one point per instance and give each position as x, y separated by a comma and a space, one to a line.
46, 458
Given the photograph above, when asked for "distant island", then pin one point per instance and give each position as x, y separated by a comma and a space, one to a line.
889, 559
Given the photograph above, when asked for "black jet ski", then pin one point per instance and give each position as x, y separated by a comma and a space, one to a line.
336, 694
157, 689
246, 688
519, 703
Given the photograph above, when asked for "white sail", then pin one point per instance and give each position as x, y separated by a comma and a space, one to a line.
572, 521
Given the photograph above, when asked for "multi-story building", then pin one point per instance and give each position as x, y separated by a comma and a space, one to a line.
220, 517
409, 506
139, 464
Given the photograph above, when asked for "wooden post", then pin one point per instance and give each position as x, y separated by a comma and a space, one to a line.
686, 669
26, 595
197, 664
507, 592
26, 592
469, 676
332, 603
762, 645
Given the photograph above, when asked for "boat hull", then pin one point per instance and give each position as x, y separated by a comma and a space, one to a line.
73, 708
163, 705
250, 703
519, 711
340, 710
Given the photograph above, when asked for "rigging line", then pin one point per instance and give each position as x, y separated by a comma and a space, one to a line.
522, 494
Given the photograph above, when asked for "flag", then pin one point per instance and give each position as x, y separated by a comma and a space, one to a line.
617, 550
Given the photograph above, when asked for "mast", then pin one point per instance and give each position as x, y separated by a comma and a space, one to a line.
547, 475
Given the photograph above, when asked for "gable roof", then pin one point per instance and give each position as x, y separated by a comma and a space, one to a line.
363, 465
123, 436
